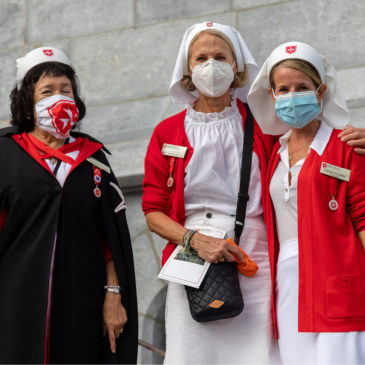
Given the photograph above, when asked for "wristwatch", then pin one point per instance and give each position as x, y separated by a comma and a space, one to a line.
116, 289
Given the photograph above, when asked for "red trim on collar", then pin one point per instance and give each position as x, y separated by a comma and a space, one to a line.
87, 148
31, 149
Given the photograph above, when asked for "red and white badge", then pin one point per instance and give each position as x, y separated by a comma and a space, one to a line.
48, 52
56, 115
333, 205
291, 49
97, 181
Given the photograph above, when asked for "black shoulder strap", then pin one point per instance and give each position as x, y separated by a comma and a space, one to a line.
245, 175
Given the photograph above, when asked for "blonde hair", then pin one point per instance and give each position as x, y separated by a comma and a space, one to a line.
299, 65
240, 78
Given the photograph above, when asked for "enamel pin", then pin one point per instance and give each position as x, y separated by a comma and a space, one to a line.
97, 181
333, 203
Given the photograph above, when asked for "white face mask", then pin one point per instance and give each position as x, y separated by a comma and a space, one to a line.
212, 78
56, 115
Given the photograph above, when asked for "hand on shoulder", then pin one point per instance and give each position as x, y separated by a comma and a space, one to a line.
354, 136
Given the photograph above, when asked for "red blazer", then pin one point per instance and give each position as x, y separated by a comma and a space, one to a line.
156, 195
331, 256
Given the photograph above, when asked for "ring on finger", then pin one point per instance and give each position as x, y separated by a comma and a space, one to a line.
121, 330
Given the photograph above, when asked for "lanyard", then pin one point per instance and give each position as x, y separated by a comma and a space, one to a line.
170, 180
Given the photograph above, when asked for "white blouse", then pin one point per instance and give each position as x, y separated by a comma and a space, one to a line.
65, 167
285, 196
213, 173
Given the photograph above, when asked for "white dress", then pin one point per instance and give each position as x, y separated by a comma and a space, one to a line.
211, 188
324, 348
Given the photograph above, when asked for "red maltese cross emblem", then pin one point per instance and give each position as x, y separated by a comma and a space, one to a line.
210, 24
64, 114
48, 52
291, 49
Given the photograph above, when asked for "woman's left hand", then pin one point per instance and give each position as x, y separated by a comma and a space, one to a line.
114, 318
355, 137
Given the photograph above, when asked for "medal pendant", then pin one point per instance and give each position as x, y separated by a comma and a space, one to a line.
170, 182
97, 192
333, 204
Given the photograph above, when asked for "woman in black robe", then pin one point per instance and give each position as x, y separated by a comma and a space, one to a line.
67, 285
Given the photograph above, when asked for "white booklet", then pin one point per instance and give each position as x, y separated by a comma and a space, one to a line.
186, 266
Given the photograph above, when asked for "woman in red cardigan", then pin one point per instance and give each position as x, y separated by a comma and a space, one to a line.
196, 183
315, 210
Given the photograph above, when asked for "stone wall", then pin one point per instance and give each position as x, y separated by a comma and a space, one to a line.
124, 52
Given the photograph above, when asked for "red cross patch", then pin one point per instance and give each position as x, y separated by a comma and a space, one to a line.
210, 24
291, 49
48, 52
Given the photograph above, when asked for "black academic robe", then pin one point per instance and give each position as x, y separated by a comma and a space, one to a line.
71, 290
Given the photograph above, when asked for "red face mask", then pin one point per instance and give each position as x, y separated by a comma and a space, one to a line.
56, 115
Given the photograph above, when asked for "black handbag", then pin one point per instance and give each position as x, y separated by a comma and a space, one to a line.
219, 295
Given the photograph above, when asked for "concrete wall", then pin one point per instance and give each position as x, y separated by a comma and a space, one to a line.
124, 52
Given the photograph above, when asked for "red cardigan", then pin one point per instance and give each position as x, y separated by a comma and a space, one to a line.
156, 195
331, 256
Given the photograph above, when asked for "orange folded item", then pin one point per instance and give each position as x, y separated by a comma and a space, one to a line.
246, 267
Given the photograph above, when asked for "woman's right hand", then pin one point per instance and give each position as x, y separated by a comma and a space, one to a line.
213, 249
209, 248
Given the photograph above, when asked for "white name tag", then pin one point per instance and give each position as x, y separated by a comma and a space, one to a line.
335, 171
99, 164
173, 150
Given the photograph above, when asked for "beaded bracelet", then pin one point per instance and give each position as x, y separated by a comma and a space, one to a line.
187, 238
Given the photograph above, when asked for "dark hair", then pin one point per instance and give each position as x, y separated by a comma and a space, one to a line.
22, 100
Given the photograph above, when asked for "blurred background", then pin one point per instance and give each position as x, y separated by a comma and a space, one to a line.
124, 53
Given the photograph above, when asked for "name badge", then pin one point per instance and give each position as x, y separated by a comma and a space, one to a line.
99, 164
173, 150
335, 171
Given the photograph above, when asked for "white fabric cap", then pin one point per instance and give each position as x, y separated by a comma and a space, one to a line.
244, 57
334, 109
38, 56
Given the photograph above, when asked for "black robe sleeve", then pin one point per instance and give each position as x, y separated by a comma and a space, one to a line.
117, 235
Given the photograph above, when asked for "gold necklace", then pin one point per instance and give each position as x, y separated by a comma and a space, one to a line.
296, 150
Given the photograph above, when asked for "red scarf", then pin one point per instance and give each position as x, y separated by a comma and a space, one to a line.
48, 151
33, 146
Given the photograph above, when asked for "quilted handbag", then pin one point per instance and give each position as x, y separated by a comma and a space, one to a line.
219, 295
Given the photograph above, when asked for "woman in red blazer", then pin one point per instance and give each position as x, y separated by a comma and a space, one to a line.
315, 210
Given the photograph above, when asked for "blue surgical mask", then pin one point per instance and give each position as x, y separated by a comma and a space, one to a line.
297, 109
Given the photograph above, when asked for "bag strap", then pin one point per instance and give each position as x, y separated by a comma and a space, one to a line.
245, 175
